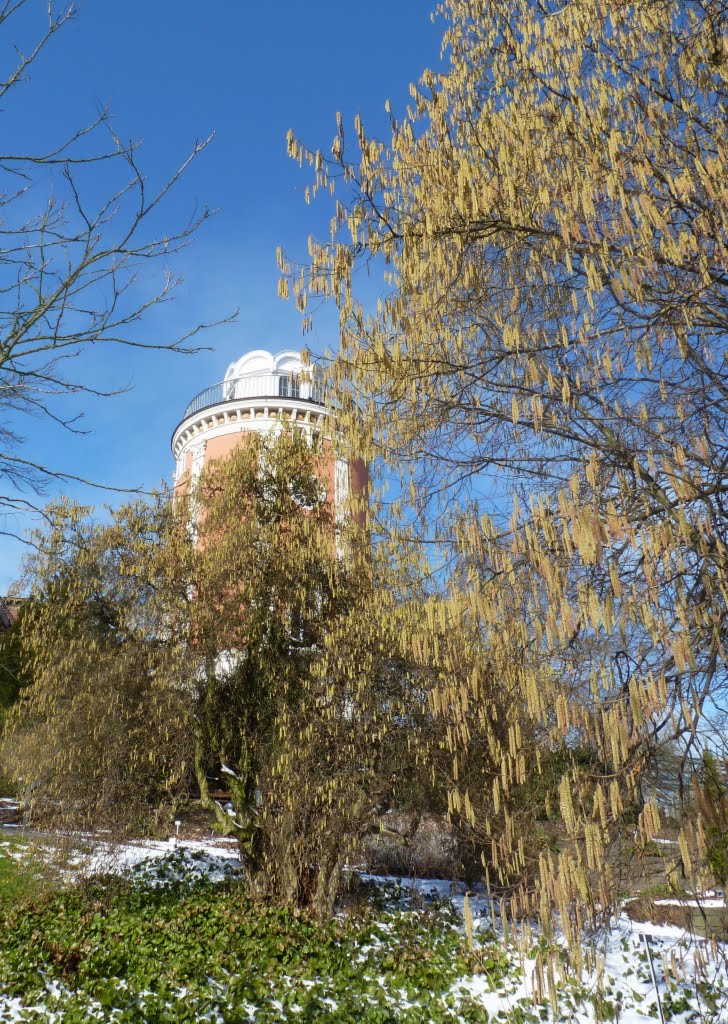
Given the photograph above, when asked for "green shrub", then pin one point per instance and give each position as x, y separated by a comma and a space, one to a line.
177, 951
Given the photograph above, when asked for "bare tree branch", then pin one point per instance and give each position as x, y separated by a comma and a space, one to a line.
70, 268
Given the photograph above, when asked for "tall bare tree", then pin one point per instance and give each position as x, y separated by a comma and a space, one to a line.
78, 221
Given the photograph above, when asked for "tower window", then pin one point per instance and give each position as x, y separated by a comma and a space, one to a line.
289, 386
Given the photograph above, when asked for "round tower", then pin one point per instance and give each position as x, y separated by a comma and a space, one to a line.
260, 393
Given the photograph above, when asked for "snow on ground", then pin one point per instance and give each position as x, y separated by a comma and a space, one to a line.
622, 985
179, 859
689, 976
706, 903
150, 861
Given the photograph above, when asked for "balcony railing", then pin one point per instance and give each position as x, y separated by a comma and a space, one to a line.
257, 385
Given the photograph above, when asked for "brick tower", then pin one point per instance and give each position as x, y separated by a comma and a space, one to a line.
262, 393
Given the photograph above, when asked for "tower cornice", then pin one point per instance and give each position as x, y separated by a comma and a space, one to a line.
241, 414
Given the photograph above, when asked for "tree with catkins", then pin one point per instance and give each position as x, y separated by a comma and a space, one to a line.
305, 712
545, 373
102, 733
241, 638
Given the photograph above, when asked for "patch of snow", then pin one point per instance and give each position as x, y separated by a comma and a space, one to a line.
173, 860
623, 968
188, 859
688, 902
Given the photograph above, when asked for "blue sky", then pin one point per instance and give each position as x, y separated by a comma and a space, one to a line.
173, 72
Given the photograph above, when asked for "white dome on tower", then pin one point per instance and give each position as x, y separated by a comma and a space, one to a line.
262, 392
260, 361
